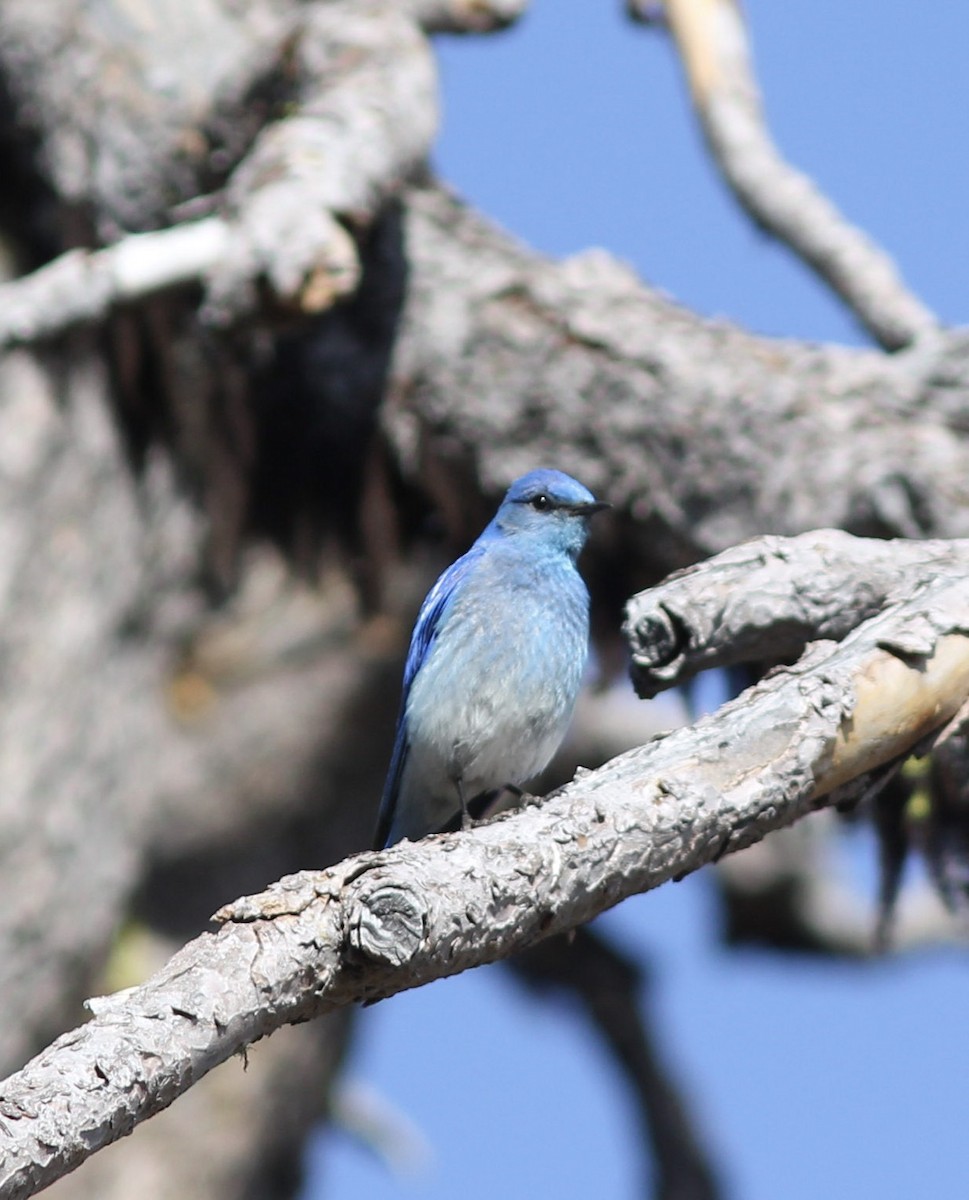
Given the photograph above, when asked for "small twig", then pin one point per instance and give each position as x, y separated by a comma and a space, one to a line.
83, 285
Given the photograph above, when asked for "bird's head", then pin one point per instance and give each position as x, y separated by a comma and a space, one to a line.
550, 507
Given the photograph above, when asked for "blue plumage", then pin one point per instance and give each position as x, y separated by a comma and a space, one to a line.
495, 661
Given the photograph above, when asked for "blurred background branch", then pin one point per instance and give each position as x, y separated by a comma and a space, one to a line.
263, 374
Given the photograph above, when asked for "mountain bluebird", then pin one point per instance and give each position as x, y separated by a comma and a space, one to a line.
495, 662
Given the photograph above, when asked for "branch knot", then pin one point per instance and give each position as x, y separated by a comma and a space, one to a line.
389, 924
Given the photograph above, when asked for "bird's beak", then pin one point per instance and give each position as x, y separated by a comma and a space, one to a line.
586, 510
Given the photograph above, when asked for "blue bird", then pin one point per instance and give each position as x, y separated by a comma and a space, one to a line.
495, 661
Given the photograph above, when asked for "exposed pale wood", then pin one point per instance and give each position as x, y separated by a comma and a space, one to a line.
379, 923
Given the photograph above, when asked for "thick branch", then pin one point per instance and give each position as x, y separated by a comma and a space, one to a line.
365, 118
506, 359
712, 40
360, 86
705, 434
377, 924
766, 599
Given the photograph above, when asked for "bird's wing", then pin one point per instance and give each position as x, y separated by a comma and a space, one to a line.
436, 603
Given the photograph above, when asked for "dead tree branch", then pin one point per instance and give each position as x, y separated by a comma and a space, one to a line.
365, 116
505, 359
711, 37
704, 434
766, 599
609, 986
379, 923
360, 111
82, 286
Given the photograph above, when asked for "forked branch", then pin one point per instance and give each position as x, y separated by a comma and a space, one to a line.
377, 924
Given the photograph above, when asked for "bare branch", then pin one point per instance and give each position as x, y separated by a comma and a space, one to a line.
769, 597
83, 285
712, 40
365, 118
505, 359
702, 433
465, 16
379, 923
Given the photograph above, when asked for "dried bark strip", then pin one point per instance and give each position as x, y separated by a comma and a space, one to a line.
377, 924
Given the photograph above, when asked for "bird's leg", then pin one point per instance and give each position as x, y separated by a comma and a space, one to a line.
482, 806
500, 799
466, 821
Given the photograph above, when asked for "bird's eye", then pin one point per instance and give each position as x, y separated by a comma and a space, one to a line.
541, 502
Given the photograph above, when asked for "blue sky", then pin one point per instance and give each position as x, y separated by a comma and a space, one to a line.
811, 1079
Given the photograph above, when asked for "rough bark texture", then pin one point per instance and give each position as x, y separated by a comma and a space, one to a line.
379, 923
233, 197
766, 599
505, 359
703, 435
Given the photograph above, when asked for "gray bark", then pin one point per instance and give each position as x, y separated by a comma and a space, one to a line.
766, 599
154, 740
505, 359
379, 923
702, 434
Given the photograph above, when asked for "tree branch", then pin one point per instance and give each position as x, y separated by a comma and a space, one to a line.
766, 599
361, 115
366, 114
379, 923
711, 37
82, 286
710, 436
609, 985
504, 358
